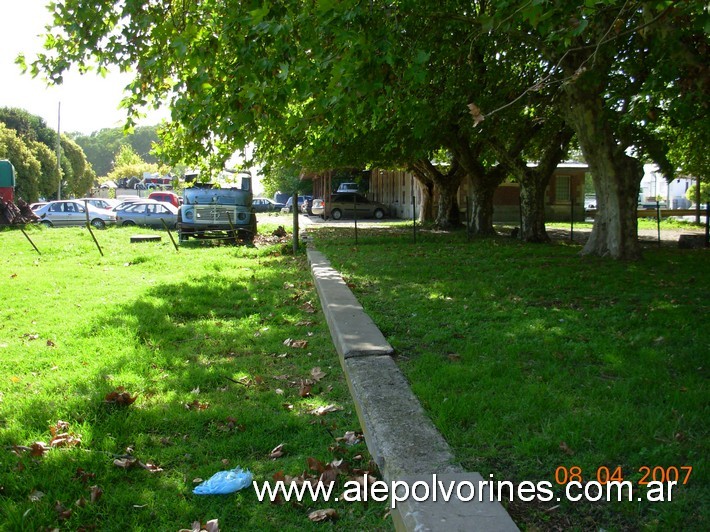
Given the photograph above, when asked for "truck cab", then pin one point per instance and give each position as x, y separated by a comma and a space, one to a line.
209, 211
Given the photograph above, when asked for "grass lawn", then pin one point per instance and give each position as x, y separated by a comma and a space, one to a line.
195, 339
532, 361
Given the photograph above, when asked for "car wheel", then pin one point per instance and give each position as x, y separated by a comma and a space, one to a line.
336, 214
128, 223
46, 223
98, 223
379, 214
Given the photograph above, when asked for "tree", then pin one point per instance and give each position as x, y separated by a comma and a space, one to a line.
621, 66
101, 146
27, 167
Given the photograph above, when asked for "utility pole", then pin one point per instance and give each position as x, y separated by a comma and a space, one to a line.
59, 153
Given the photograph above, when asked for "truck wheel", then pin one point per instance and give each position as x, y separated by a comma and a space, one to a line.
336, 214
379, 214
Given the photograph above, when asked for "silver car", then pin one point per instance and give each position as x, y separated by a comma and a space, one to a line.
148, 213
66, 213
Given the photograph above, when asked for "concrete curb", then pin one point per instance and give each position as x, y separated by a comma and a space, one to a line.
400, 437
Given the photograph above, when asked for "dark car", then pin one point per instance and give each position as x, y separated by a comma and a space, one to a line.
266, 205
347, 204
288, 207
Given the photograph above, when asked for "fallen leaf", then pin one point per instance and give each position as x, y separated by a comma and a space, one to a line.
308, 307
96, 493
277, 452
80, 502
279, 391
566, 449
329, 514
125, 463
83, 476
50, 343
315, 465
62, 511
196, 405
13, 276
120, 397
299, 344
38, 448
36, 495
454, 357
351, 438
287, 406
152, 468
305, 323
317, 373
323, 410
197, 480
305, 390
196, 391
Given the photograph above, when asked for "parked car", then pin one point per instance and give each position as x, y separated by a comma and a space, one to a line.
347, 187
306, 205
318, 207
101, 203
148, 213
345, 205
289, 204
266, 205
129, 201
166, 197
35, 206
73, 213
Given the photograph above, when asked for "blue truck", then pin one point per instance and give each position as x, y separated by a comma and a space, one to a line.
209, 211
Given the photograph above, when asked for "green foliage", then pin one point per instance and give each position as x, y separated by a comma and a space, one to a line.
77, 175
692, 191
27, 166
126, 156
101, 146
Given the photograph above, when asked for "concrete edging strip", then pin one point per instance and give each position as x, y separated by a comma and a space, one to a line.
400, 437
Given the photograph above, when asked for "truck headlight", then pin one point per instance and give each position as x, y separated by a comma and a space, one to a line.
241, 216
189, 215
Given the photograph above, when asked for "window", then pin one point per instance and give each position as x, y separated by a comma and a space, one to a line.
562, 189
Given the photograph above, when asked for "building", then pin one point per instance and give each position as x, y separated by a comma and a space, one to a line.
401, 192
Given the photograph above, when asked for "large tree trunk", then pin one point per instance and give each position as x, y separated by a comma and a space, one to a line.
532, 208
482, 207
448, 214
617, 177
446, 184
426, 209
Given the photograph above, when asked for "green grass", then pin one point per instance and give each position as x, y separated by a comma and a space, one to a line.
528, 358
175, 330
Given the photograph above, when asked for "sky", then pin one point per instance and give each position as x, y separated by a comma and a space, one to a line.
88, 102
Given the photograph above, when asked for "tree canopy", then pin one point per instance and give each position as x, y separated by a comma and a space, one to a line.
330, 84
31, 147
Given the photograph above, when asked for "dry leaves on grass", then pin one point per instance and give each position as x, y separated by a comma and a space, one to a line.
317, 373
277, 452
323, 410
62, 436
351, 438
196, 405
120, 397
328, 514
129, 462
308, 307
566, 449
297, 344
210, 526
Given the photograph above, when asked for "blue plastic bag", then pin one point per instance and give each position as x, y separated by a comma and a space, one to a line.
224, 482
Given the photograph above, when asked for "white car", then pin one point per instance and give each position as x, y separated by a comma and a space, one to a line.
73, 213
